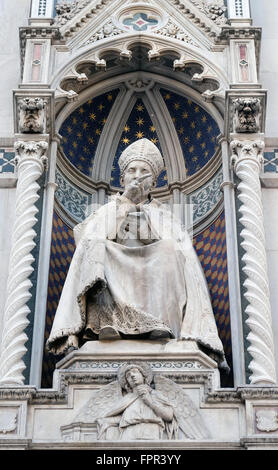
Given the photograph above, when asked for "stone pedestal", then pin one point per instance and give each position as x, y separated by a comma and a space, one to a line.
237, 418
96, 365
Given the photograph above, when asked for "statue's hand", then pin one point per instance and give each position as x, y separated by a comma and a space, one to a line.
143, 392
133, 191
137, 189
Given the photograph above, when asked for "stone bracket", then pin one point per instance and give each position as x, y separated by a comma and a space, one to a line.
34, 112
245, 112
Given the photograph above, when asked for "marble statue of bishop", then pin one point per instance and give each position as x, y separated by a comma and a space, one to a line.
134, 273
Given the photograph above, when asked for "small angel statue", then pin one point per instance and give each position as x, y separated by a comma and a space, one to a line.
133, 407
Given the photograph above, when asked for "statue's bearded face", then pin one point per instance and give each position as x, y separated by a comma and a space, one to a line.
134, 377
137, 169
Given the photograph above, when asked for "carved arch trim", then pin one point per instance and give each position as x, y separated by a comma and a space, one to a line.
155, 105
182, 56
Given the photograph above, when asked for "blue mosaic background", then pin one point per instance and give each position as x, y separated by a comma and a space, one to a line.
196, 129
139, 125
82, 129
271, 161
210, 246
7, 164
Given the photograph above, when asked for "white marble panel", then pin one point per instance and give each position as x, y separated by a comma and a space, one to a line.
13, 14
7, 201
223, 422
265, 15
272, 260
270, 207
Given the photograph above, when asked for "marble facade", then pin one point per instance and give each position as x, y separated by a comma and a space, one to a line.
201, 86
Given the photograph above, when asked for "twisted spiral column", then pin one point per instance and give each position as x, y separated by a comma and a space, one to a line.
247, 159
31, 160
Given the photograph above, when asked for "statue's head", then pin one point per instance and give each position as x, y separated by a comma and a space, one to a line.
131, 375
141, 156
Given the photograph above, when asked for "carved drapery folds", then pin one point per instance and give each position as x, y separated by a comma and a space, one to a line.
31, 115
31, 161
247, 159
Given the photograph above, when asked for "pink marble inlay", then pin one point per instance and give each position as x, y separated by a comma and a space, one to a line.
242, 52
243, 63
36, 63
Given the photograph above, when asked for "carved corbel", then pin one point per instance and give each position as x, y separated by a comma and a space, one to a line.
154, 53
126, 54
247, 115
31, 115
69, 95
80, 77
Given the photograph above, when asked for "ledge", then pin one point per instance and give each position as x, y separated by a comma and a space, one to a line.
8, 180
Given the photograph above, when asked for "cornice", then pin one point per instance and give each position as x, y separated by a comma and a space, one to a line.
234, 396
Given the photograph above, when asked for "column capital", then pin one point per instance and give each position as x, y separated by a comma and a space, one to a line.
31, 151
247, 151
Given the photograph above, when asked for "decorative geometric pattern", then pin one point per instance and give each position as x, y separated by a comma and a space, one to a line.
210, 246
7, 163
205, 198
138, 125
196, 129
82, 129
77, 203
140, 22
72, 199
271, 161
62, 249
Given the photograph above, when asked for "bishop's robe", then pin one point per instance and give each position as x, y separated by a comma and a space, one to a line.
135, 269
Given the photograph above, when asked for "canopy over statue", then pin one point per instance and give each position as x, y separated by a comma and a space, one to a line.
135, 273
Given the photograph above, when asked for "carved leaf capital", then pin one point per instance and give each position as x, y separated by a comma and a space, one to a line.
32, 151
247, 151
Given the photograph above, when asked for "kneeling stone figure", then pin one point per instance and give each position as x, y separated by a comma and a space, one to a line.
131, 409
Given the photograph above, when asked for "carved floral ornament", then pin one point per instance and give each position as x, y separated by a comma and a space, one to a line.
8, 421
267, 420
214, 9
31, 151
207, 15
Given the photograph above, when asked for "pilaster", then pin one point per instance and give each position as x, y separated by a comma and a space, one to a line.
31, 161
245, 128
